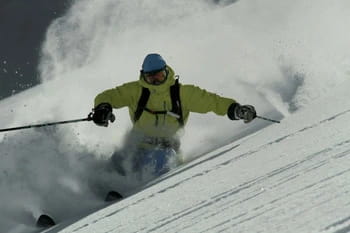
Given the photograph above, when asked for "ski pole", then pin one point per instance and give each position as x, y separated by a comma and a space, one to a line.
89, 118
267, 119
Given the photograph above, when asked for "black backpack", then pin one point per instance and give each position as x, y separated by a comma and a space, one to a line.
176, 110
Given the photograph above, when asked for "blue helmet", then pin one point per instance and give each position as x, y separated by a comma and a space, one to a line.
153, 62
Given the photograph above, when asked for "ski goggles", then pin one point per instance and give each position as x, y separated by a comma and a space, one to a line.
156, 77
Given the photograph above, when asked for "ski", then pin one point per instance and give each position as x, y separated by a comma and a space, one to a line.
113, 196
45, 221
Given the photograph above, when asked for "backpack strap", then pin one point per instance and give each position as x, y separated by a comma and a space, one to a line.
176, 102
142, 103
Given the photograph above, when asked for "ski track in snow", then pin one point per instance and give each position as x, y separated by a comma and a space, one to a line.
254, 182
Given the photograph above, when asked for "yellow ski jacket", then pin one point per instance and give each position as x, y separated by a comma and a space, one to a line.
193, 99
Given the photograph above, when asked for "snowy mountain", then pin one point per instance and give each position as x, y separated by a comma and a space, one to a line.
287, 58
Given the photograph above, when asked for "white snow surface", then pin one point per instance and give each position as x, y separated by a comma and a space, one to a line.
290, 59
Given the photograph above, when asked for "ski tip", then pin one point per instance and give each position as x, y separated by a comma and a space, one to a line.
45, 221
113, 196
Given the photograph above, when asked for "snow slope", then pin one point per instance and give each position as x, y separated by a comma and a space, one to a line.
289, 177
280, 56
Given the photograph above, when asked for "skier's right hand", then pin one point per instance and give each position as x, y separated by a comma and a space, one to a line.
102, 113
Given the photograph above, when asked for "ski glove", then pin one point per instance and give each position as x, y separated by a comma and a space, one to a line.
102, 114
241, 112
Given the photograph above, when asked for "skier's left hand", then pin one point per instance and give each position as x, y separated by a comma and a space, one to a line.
241, 112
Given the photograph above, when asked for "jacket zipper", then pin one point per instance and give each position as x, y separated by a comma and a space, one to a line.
164, 114
157, 119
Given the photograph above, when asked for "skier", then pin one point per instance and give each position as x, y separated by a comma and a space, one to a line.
159, 107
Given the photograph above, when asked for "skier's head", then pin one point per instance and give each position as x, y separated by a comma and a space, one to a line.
154, 69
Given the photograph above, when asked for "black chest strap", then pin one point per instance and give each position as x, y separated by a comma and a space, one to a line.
141, 104
176, 110
176, 102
